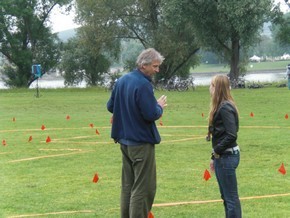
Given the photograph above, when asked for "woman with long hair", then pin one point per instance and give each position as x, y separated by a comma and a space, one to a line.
223, 128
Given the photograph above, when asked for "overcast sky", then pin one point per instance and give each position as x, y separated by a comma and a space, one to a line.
61, 20
284, 7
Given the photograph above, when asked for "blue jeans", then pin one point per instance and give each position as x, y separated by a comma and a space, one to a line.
225, 170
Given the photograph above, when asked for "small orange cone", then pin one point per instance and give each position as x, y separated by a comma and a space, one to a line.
96, 178
206, 175
282, 169
97, 132
150, 215
30, 139
48, 139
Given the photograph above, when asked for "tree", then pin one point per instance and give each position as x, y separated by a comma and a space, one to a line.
227, 27
151, 23
89, 55
268, 47
281, 30
80, 63
130, 49
25, 40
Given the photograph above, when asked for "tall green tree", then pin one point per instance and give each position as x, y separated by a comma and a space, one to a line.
227, 27
25, 39
148, 21
89, 55
80, 63
281, 30
269, 47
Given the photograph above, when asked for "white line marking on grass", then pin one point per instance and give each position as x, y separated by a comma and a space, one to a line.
185, 203
182, 127
85, 143
6, 152
219, 200
48, 156
182, 140
52, 213
64, 149
76, 137
161, 127
181, 135
266, 127
49, 129
111, 142
154, 205
37, 130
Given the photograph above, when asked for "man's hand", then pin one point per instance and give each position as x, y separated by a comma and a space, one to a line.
162, 101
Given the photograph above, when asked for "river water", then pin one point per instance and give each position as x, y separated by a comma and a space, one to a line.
47, 81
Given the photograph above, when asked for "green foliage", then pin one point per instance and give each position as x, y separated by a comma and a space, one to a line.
268, 47
227, 27
130, 50
90, 54
281, 30
80, 63
25, 39
149, 22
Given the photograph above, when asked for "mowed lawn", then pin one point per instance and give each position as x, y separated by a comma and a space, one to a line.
42, 178
251, 66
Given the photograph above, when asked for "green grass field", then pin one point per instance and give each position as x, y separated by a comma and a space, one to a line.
40, 179
252, 66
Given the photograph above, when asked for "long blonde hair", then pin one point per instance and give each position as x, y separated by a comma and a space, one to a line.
222, 93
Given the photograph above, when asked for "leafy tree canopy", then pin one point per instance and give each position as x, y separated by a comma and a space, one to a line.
281, 30
26, 40
227, 27
150, 22
80, 63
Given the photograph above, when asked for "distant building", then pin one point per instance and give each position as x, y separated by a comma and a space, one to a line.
285, 57
255, 58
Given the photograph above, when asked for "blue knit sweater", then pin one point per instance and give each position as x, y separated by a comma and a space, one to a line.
135, 110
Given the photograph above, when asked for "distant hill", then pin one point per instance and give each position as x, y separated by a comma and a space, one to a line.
266, 29
66, 34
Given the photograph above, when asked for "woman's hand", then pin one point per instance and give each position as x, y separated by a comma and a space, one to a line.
211, 165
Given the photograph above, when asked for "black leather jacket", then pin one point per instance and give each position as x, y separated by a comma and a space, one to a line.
225, 128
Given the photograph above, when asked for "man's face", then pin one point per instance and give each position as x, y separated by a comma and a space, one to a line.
151, 69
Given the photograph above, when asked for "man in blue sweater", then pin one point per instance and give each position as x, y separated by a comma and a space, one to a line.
135, 110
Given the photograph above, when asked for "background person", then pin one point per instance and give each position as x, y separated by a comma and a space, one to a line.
223, 127
288, 75
135, 111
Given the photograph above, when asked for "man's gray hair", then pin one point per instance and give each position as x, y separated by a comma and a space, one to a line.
148, 56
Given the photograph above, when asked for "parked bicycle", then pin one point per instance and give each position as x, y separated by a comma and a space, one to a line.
176, 84
238, 83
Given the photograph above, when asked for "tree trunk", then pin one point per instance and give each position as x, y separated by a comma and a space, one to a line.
235, 59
